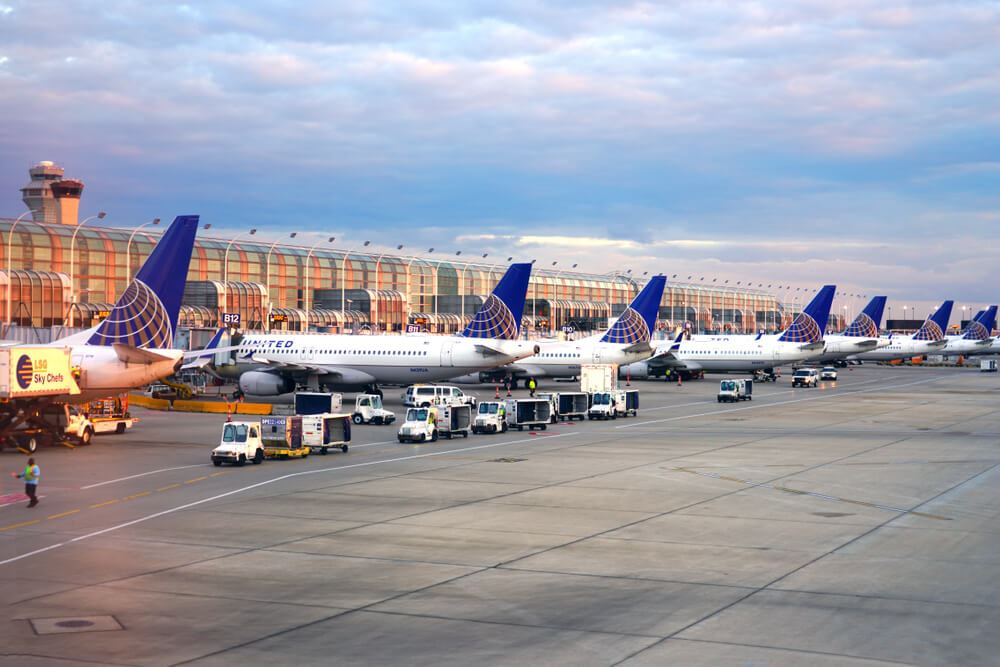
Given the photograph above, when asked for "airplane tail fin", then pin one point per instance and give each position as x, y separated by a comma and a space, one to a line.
934, 326
500, 315
810, 325
868, 321
981, 327
636, 324
145, 315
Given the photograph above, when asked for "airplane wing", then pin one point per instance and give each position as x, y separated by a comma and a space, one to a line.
642, 346
529, 370
818, 346
136, 355
343, 374
869, 344
487, 351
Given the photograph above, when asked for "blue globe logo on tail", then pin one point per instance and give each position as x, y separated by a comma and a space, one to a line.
976, 331
25, 371
628, 330
862, 327
929, 331
494, 320
803, 330
139, 319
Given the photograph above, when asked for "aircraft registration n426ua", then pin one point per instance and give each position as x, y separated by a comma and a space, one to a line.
273, 364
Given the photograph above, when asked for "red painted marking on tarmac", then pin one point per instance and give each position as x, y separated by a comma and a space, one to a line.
14, 499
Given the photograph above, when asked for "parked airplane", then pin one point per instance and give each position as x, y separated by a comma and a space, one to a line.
273, 364
860, 336
929, 339
132, 346
977, 339
802, 340
626, 341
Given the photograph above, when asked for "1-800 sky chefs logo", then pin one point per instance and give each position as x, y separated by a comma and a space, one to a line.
25, 371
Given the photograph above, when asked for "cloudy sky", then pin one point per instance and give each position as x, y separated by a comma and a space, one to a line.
801, 142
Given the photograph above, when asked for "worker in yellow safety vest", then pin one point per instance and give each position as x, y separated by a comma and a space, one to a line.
31, 474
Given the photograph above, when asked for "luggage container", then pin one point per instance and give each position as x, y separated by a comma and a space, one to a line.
987, 365
567, 405
318, 403
325, 432
631, 403
454, 420
282, 437
530, 412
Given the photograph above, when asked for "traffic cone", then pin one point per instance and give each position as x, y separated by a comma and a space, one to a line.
679, 384
628, 378
497, 393
508, 390
229, 411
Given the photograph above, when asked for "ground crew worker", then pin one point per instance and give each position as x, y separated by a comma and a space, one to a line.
531, 386
31, 474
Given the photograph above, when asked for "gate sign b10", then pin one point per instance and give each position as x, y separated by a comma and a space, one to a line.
231, 319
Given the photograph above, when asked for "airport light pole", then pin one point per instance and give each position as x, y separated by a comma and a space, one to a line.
128, 250
72, 260
10, 279
378, 284
306, 301
267, 280
225, 270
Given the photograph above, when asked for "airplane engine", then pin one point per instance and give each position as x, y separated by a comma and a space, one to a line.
637, 371
259, 383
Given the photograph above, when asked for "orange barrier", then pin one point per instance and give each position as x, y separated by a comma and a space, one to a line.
211, 407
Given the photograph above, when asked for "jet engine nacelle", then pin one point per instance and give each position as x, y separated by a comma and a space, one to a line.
637, 371
259, 383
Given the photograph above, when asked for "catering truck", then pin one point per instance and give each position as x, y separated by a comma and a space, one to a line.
33, 381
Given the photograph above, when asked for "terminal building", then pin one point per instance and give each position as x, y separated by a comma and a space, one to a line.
61, 272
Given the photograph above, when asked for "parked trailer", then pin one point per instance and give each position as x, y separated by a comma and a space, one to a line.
454, 420
318, 403
109, 415
631, 403
282, 437
567, 405
530, 412
731, 391
325, 432
987, 365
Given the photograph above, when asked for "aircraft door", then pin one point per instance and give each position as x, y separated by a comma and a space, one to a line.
446, 352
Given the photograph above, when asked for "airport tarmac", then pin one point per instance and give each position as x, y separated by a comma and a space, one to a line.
854, 524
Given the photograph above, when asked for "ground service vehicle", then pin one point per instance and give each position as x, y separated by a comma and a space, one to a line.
55, 424
109, 415
325, 432
731, 391
805, 377
368, 410
420, 425
490, 417
598, 377
317, 403
607, 405
567, 405
241, 442
829, 373
282, 437
988, 366
423, 395
530, 412
454, 420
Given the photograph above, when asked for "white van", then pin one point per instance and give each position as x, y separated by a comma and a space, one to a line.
425, 395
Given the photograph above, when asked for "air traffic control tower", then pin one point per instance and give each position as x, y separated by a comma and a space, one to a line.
52, 198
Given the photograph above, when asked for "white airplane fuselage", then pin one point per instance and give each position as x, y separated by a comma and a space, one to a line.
103, 374
900, 347
737, 353
837, 347
563, 359
967, 347
351, 361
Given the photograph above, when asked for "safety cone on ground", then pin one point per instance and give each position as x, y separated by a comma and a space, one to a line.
508, 390
229, 411
497, 393
679, 384
628, 378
